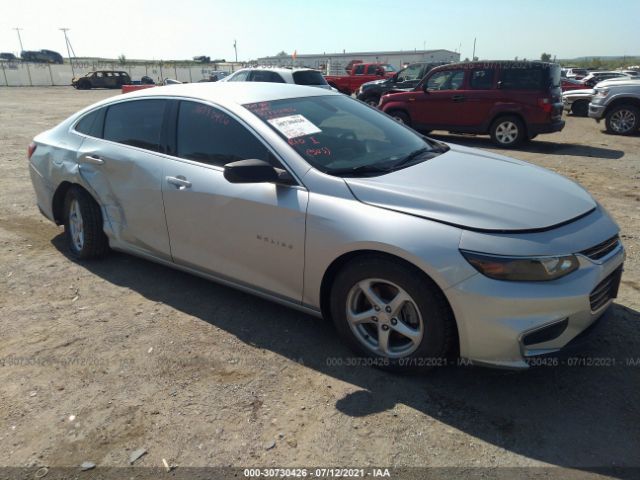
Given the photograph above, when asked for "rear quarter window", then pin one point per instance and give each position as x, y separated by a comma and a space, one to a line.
309, 77
529, 78
91, 124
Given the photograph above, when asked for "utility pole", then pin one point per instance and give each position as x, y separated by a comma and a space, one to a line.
473, 57
17, 29
236, 49
66, 40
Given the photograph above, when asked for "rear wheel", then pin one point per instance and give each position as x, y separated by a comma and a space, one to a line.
623, 120
507, 131
392, 314
580, 108
83, 226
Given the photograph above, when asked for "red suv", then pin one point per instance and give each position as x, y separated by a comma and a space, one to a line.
511, 101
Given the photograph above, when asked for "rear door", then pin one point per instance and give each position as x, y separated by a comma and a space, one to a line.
478, 97
124, 171
252, 234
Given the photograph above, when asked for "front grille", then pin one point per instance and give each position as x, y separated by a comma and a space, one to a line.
606, 290
602, 249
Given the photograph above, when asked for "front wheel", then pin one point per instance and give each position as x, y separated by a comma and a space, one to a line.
83, 226
392, 314
507, 131
623, 120
373, 101
580, 108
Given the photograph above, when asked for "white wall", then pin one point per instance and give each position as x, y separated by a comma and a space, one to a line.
18, 74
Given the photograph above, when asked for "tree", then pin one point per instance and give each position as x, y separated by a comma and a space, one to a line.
122, 60
282, 53
545, 57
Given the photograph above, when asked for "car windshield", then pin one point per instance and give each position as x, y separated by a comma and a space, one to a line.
341, 136
388, 68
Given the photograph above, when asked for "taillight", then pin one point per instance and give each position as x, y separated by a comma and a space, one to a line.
545, 104
30, 149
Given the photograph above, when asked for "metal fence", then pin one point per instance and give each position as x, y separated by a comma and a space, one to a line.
26, 74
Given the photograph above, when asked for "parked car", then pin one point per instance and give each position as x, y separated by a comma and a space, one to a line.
511, 101
413, 247
567, 84
577, 101
618, 103
8, 57
360, 73
406, 79
101, 79
42, 56
215, 76
298, 76
576, 73
595, 77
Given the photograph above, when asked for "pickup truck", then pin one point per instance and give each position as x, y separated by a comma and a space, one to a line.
360, 73
618, 103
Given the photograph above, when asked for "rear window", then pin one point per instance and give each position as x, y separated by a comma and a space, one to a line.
537, 77
136, 123
309, 77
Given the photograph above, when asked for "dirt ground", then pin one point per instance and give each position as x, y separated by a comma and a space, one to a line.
99, 359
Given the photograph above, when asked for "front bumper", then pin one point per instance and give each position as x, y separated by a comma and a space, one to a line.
596, 111
496, 318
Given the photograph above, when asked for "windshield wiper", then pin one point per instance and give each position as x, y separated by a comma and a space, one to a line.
360, 169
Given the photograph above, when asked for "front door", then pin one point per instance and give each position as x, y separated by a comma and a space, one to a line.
252, 234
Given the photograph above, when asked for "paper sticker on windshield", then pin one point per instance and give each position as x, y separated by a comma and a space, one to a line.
294, 126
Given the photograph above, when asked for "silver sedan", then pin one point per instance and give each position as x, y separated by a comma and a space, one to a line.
416, 249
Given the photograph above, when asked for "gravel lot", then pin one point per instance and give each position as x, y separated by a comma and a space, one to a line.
100, 359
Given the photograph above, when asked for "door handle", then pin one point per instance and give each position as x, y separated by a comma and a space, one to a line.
458, 98
94, 159
179, 182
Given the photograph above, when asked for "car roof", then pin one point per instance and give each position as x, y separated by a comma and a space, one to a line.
279, 69
239, 93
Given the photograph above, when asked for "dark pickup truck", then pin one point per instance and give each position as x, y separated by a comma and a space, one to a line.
360, 73
406, 79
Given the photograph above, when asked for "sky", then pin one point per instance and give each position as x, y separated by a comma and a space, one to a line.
170, 29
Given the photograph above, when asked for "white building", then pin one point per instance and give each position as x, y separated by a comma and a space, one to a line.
335, 63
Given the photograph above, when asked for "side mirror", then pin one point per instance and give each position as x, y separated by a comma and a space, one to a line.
499, 84
250, 171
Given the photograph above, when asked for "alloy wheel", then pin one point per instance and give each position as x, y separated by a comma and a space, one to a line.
506, 132
623, 121
76, 225
384, 318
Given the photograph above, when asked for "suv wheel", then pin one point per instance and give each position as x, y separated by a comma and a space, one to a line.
401, 117
390, 314
623, 120
507, 131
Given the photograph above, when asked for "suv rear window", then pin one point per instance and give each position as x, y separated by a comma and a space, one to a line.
309, 77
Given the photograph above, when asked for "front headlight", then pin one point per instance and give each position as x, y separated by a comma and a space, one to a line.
522, 269
602, 92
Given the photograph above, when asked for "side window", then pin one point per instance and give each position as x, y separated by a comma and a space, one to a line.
372, 69
412, 72
240, 76
266, 76
446, 80
136, 123
481, 79
92, 123
523, 78
359, 70
99, 74
208, 135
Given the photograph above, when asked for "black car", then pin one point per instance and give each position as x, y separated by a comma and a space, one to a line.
42, 56
102, 79
406, 79
9, 57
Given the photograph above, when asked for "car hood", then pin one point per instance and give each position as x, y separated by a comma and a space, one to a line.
579, 93
619, 82
477, 190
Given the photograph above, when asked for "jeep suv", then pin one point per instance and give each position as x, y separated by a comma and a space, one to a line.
511, 101
618, 102
406, 79
101, 79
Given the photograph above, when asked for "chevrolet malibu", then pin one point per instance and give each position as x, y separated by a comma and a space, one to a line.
416, 249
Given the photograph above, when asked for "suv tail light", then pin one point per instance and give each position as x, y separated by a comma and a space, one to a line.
31, 149
546, 104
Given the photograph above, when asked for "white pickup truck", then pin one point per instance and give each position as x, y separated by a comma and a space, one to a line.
618, 102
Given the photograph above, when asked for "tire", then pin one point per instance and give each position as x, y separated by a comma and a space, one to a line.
84, 85
508, 131
372, 100
580, 108
623, 120
424, 314
83, 226
401, 117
